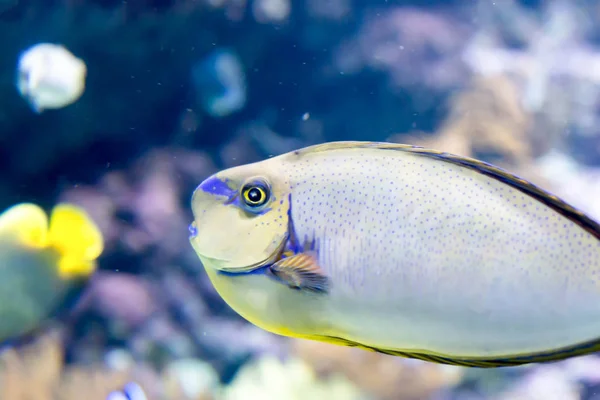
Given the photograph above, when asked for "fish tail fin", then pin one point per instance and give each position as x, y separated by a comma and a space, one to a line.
77, 239
25, 223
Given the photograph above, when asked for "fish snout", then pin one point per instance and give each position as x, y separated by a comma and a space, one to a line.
193, 230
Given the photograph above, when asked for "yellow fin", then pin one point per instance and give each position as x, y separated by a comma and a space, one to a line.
76, 238
26, 223
301, 271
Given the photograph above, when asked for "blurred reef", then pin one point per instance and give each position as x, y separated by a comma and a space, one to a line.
177, 89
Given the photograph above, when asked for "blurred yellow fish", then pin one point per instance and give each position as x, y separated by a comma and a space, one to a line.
402, 250
42, 262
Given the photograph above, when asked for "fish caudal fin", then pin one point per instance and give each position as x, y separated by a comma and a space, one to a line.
25, 223
302, 272
76, 238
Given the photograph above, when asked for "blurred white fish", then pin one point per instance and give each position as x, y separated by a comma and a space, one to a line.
50, 76
131, 391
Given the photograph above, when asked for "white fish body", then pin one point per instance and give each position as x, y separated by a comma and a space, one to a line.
50, 76
427, 255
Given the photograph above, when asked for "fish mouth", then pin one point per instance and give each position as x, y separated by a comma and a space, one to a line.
246, 269
193, 230
217, 263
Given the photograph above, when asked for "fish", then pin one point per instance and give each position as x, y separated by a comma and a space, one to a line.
402, 250
45, 263
49, 76
131, 391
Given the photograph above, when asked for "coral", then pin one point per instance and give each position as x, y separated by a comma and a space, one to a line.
545, 383
573, 182
487, 121
385, 377
38, 373
191, 379
124, 297
489, 116
544, 52
269, 378
142, 207
413, 46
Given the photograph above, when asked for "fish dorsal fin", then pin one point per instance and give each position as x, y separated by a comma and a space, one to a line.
526, 187
348, 145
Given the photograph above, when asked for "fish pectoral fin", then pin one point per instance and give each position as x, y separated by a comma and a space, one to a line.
302, 272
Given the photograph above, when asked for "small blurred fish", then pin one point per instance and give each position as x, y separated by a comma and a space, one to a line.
131, 391
220, 82
43, 264
49, 76
404, 251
